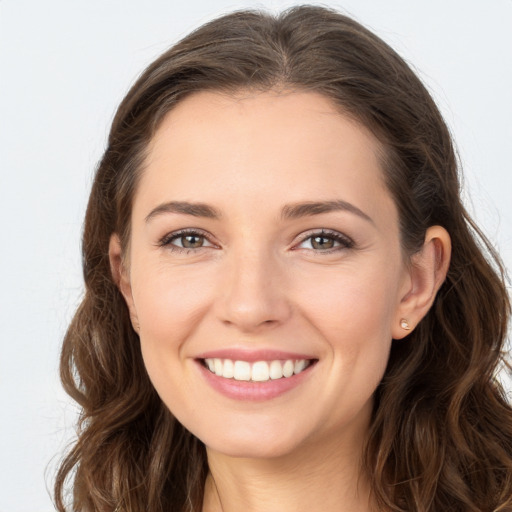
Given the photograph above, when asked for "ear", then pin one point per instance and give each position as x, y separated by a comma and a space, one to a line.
427, 272
121, 276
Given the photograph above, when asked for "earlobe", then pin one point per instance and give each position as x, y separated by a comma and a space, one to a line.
121, 276
427, 272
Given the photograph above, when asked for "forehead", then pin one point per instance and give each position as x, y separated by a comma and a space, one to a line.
248, 112
273, 146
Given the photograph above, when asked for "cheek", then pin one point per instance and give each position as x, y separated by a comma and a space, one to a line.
354, 315
352, 306
170, 308
170, 302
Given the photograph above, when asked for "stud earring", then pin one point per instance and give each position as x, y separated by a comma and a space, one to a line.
404, 324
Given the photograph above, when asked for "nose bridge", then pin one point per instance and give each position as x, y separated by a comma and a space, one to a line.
252, 292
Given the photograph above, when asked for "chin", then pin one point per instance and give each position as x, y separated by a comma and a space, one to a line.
242, 441
253, 448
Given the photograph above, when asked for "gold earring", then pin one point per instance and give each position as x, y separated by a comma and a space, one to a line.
404, 324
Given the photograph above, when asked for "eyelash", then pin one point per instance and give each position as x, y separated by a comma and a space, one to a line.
344, 241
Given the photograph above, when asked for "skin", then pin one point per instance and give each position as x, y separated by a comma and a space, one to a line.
257, 280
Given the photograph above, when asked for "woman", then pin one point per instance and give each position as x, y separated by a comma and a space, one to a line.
287, 306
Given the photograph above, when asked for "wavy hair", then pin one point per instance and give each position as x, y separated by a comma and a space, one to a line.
441, 432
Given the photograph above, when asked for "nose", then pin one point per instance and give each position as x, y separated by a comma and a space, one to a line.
252, 294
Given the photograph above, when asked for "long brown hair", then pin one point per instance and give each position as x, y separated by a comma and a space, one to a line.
441, 434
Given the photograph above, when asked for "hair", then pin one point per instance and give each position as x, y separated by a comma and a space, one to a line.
441, 432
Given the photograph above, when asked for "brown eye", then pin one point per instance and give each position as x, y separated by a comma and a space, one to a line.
191, 241
185, 240
322, 242
326, 241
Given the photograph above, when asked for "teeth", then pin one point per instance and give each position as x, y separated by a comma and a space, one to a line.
288, 368
299, 366
260, 371
228, 369
276, 370
242, 370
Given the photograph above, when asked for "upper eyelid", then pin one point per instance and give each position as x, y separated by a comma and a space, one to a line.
325, 232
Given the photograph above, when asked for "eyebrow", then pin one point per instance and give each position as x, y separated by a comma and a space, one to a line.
184, 208
310, 208
290, 211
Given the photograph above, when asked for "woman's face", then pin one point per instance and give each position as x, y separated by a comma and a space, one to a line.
264, 242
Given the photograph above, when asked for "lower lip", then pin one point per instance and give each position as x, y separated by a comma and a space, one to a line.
253, 391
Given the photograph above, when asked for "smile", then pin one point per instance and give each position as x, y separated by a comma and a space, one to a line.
258, 371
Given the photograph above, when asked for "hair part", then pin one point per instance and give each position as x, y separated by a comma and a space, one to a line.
441, 434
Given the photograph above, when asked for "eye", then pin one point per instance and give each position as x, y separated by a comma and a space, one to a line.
185, 240
325, 241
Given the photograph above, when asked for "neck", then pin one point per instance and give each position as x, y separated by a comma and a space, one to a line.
318, 477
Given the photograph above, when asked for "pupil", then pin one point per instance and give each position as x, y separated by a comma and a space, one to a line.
322, 242
191, 241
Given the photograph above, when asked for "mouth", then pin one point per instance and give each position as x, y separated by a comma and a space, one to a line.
256, 371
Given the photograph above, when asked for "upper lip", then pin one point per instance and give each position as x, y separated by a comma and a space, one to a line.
252, 355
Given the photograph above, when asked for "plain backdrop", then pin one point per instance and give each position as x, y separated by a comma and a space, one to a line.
64, 67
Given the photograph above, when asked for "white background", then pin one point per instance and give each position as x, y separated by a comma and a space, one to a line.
64, 67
